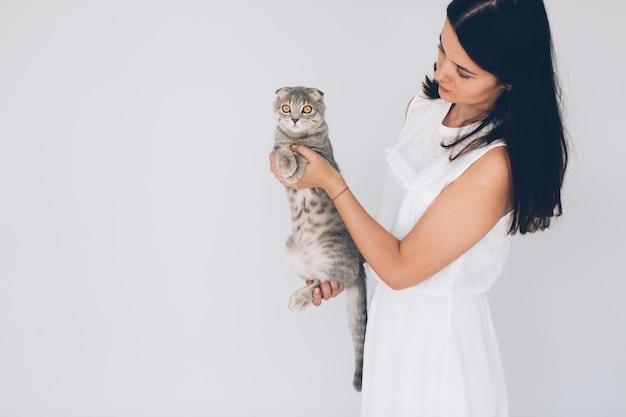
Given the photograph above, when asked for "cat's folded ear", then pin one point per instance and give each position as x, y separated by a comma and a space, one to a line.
283, 90
318, 94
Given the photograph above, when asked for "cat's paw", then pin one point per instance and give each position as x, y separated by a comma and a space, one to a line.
300, 300
292, 179
295, 176
286, 166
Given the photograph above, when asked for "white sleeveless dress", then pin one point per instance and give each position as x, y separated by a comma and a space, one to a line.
431, 350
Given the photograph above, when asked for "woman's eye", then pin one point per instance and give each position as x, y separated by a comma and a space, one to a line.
286, 109
462, 75
307, 109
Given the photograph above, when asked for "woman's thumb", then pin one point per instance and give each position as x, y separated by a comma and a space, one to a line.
303, 150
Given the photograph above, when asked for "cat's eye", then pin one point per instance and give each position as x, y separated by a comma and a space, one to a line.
307, 109
286, 109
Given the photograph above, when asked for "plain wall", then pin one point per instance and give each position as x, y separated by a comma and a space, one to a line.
142, 265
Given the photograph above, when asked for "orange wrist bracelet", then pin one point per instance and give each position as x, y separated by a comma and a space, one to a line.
332, 200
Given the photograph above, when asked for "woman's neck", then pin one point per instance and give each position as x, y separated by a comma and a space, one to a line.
459, 116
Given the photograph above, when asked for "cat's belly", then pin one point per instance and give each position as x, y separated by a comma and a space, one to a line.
311, 263
323, 259
320, 246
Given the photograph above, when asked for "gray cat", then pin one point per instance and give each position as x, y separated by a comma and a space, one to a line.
320, 247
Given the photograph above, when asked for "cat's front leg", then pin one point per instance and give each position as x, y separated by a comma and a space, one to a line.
300, 164
286, 163
302, 298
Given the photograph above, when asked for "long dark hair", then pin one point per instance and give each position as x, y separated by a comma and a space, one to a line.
511, 39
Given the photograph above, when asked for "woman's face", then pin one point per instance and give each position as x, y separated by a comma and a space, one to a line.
461, 81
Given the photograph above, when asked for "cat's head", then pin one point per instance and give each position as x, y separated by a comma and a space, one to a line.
299, 109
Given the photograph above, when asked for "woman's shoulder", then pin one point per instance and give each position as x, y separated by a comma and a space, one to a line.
491, 170
418, 104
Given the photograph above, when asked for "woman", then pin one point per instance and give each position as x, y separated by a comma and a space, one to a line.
481, 157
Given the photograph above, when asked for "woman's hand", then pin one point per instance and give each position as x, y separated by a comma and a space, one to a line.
326, 290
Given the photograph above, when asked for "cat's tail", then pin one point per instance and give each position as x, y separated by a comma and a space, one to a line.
356, 297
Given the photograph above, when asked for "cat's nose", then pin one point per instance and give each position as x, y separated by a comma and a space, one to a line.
295, 121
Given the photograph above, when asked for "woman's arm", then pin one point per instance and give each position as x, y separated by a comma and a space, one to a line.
458, 218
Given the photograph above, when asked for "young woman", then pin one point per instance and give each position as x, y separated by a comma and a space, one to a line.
481, 157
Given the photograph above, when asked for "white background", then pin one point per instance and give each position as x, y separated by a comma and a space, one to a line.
142, 269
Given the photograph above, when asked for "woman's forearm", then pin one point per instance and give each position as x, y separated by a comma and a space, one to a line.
381, 250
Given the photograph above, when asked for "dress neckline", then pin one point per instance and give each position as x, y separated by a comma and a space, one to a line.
453, 132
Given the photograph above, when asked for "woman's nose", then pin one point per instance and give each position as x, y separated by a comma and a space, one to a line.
442, 70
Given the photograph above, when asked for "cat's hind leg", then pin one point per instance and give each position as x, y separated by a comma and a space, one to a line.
302, 297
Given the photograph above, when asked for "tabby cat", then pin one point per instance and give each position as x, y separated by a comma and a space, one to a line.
319, 247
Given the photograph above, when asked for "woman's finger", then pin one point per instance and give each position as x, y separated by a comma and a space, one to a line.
317, 297
304, 151
273, 161
274, 170
334, 287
